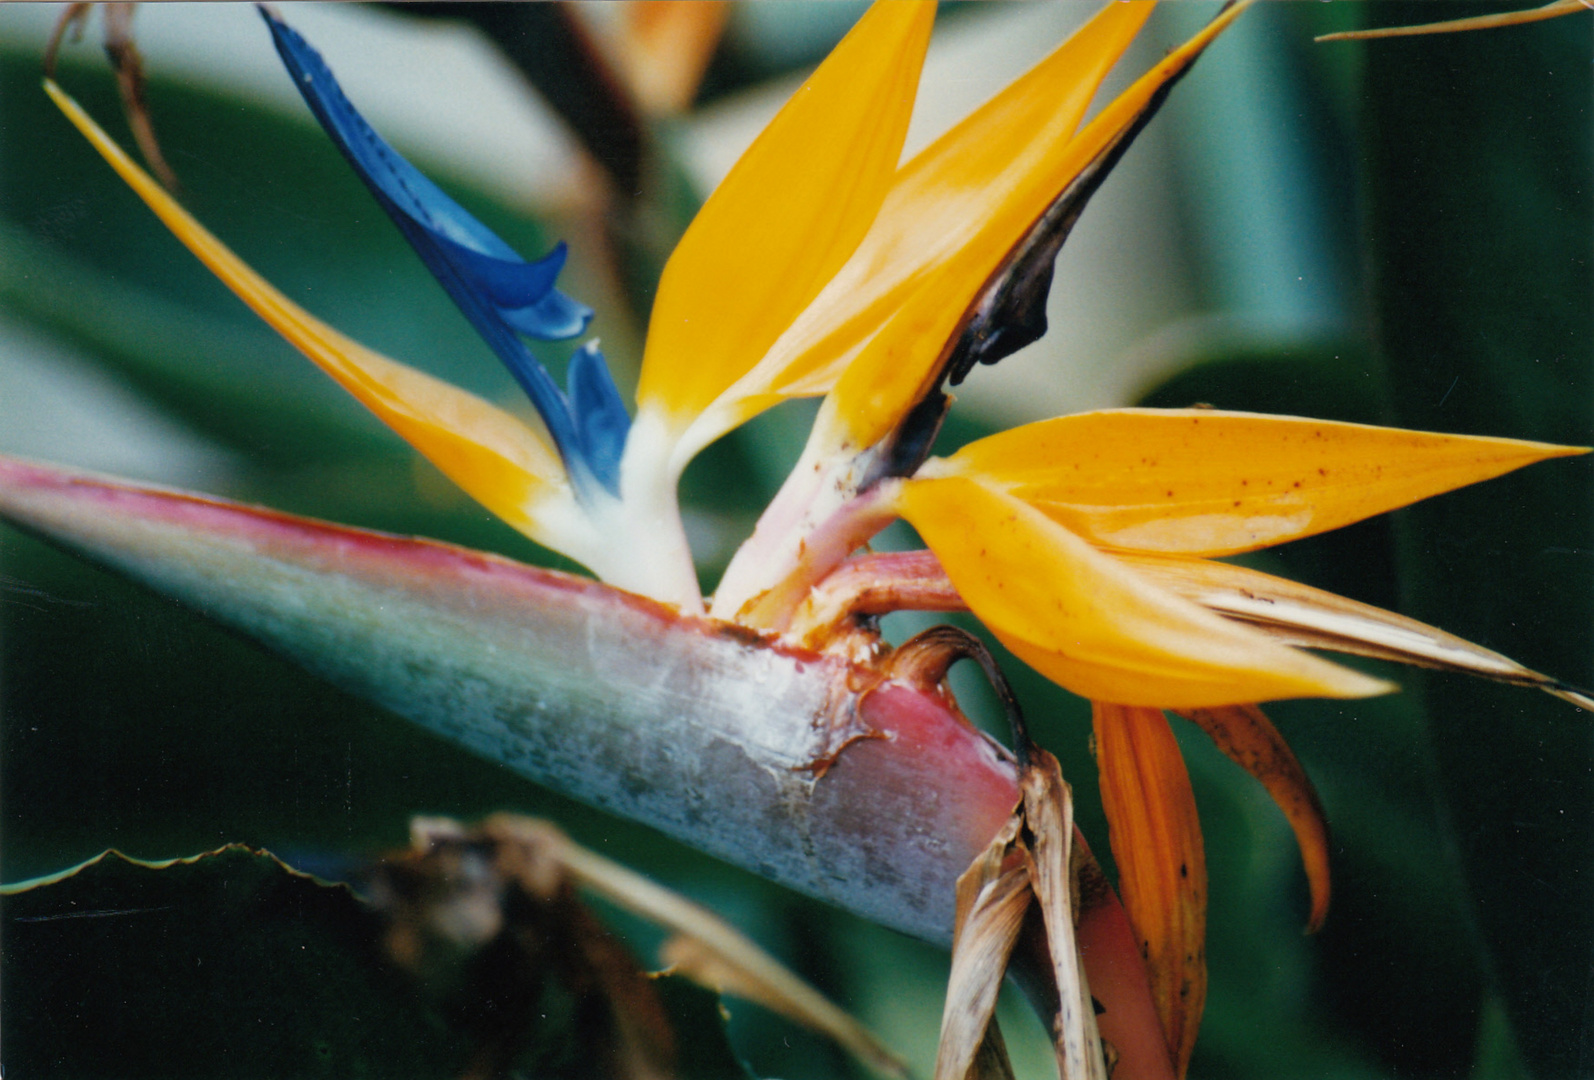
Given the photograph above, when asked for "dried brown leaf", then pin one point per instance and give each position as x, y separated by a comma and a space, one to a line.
705, 947
757, 977
1049, 817
993, 896
128, 64
991, 1061
487, 917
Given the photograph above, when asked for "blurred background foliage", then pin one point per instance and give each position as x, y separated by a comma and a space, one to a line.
1397, 232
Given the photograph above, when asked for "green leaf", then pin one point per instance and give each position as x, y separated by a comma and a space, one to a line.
228, 963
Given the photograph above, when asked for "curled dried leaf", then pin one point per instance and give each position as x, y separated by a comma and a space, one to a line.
128, 63
1049, 821
993, 896
1028, 868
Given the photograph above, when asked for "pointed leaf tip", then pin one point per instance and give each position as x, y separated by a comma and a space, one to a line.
1248, 738
1552, 10
1312, 618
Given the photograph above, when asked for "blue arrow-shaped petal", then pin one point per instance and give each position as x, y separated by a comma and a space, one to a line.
502, 294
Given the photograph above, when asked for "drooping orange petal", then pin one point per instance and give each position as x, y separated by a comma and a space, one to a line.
1089, 623
502, 463
787, 217
1208, 482
969, 196
1477, 22
897, 363
1249, 739
1162, 867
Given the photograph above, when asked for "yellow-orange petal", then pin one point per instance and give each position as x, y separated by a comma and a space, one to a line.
900, 359
1208, 482
1249, 739
1162, 867
1089, 623
499, 461
946, 206
787, 217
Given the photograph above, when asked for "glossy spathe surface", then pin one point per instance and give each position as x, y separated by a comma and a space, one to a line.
711, 736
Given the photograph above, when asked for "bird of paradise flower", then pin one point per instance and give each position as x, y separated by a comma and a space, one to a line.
821, 268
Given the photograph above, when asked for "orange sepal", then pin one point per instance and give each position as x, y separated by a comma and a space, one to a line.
1214, 482
786, 218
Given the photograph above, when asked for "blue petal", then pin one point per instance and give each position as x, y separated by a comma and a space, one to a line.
599, 413
502, 294
440, 229
554, 310
510, 283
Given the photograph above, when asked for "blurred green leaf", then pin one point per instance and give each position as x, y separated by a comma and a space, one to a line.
1479, 159
231, 963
